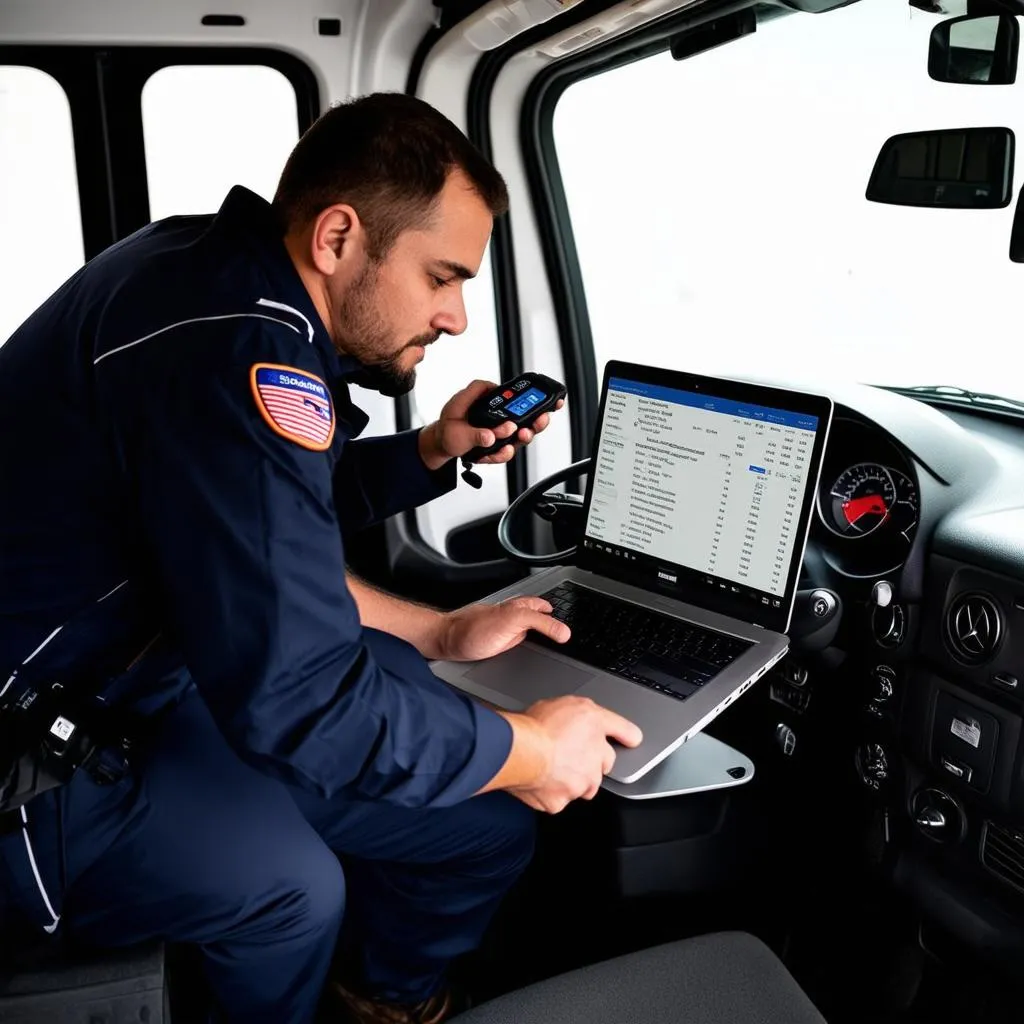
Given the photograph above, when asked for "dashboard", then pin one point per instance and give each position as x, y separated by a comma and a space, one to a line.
917, 702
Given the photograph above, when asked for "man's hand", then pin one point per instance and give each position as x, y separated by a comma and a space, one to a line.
560, 749
483, 630
566, 739
452, 436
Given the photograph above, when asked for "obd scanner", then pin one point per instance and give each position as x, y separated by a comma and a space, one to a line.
522, 401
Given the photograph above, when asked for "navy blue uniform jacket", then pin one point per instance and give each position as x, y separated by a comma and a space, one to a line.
175, 416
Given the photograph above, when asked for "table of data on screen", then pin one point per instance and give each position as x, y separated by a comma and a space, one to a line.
707, 483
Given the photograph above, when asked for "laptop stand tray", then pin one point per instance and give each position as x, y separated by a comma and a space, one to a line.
700, 764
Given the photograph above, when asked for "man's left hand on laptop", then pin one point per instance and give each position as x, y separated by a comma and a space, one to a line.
480, 631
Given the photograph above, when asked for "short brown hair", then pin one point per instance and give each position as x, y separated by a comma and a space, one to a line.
388, 156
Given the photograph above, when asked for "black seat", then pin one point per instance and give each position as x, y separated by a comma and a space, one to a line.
722, 978
112, 987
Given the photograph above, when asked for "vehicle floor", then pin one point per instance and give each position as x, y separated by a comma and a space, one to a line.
873, 963
863, 976
942, 995
858, 953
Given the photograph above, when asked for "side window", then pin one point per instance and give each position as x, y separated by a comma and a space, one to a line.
40, 225
451, 364
208, 127
726, 230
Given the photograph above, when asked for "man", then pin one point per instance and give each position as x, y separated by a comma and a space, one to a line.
177, 438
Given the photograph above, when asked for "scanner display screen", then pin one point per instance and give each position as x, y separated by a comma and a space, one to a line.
525, 402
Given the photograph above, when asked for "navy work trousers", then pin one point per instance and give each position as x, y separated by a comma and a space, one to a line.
201, 848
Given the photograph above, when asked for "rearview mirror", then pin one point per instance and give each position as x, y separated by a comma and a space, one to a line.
976, 50
958, 168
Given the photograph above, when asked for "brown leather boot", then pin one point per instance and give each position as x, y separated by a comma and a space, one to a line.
361, 1010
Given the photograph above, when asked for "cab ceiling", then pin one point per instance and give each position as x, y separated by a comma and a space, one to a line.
368, 46
453, 11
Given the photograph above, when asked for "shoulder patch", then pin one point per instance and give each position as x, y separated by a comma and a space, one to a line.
296, 404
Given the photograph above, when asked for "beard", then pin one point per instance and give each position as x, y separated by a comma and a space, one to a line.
362, 333
389, 376
390, 381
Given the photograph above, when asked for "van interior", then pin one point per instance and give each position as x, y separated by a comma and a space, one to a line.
815, 193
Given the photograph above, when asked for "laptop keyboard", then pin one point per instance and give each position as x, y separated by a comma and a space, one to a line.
666, 654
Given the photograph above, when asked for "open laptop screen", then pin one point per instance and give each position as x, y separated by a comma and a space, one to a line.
703, 488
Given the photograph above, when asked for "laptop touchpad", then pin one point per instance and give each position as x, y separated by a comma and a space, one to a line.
529, 675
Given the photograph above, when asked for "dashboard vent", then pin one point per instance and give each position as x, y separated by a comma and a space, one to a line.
974, 627
1002, 852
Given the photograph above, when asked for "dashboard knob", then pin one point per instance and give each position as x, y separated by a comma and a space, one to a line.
872, 765
882, 679
889, 624
881, 594
786, 739
938, 816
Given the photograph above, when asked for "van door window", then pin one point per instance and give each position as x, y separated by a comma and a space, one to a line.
40, 223
450, 365
209, 127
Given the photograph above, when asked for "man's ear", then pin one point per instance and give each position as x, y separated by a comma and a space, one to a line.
336, 237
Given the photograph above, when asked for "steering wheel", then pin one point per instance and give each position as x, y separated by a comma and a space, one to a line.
553, 505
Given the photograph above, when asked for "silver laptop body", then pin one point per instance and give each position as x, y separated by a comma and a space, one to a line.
698, 507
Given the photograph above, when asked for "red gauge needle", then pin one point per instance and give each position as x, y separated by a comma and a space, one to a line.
856, 508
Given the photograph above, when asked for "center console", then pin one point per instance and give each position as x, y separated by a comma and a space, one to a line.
962, 854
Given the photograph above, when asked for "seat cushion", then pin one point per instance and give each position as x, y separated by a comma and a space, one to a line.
109, 987
722, 978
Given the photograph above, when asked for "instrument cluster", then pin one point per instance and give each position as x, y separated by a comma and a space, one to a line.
868, 501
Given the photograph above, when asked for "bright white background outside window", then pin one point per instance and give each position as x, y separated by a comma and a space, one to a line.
207, 128
451, 364
40, 223
718, 208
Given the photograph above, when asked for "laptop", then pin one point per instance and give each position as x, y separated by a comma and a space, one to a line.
696, 515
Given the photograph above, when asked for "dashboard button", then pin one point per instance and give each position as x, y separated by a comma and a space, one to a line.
786, 739
883, 679
1005, 680
872, 765
795, 674
938, 815
889, 625
960, 771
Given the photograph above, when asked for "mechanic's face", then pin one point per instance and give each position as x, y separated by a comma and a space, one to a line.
386, 312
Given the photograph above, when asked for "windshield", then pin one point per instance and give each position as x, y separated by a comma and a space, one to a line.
719, 213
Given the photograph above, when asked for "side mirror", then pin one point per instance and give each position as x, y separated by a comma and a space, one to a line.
975, 50
957, 168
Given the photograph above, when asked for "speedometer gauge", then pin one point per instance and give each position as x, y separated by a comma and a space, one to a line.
861, 500
905, 509
868, 502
